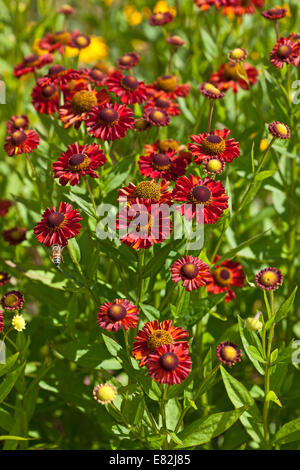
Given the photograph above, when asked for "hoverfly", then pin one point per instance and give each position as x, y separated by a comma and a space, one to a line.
56, 254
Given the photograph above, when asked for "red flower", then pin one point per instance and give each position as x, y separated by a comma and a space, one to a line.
170, 85
31, 63
45, 96
169, 364
17, 123
239, 7
59, 75
4, 278
79, 40
229, 353
162, 146
155, 334
119, 314
166, 165
285, 52
15, 235
66, 10
147, 190
5, 204
175, 40
127, 61
55, 41
224, 275
79, 104
161, 100
210, 91
110, 122
142, 223
156, 117
269, 278
12, 300
95, 75
77, 161
127, 87
205, 4
274, 13
1, 321
160, 18
214, 144
57, 226
279, 130
193, 272
208, 194
21, 142
231, 75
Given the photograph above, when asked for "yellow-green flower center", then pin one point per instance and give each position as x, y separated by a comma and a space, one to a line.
83, 101
157, 338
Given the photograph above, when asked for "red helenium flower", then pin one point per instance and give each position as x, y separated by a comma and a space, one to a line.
161, 100
110, 122
127, 61
4, 278
193, 272
167, 165
45, 97
55, 41
15, 235
5, 204
32, 63
285, 52
127, 87
57, 226
215, 143
17, 123
224, 275
12, 300
119, 314
21, 142
77, 161
160, 18
144, 223
170, 364
155, 334
207, 193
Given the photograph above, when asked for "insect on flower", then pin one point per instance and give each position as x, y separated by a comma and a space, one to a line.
56, 254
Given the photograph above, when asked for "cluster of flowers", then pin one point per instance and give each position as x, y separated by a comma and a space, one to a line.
11, 301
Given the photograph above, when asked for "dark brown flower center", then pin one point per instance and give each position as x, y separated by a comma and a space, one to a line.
18, 137
116, 312
168, 361
284, 51
161, 162
129, 83
162, 103
108, 116
83, 101
56, 69
222, 276
49, 91
189, 270
30, 59
55, 219
201, 194
213, 144
76, 160
96, 74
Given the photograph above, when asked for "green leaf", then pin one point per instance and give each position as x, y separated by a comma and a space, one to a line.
157, 263
9, 382
285, 307
204, 429
255, 353
15, 438
289, 432
271, 396
239, 395
264, 175
191, 313
150, 312
74, 248
241, 246
112, 346
10, 361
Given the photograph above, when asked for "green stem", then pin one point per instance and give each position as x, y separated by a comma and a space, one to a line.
267, 375
141, 255
210, 114
91, 196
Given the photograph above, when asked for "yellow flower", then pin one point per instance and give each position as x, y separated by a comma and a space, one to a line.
263, 145
162, 6
96, 50
133, 16
18, 322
